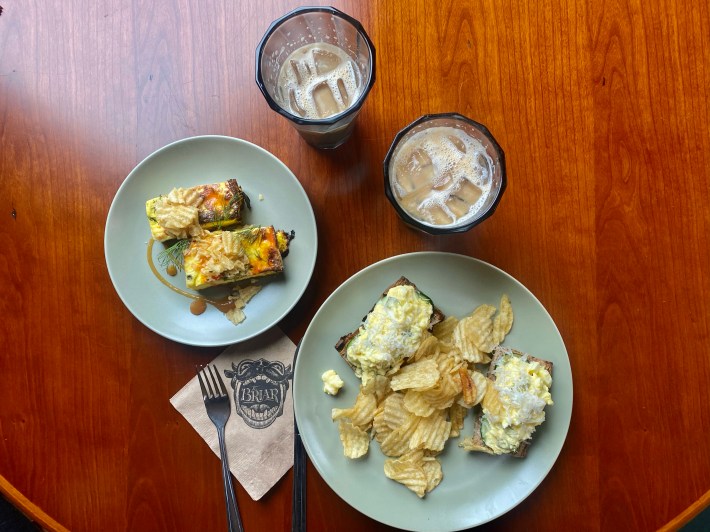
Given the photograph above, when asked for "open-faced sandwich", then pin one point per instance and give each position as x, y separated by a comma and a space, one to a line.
514, 403
391, 332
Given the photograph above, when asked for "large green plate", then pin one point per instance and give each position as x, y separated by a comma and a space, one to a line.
196, 161
476, 487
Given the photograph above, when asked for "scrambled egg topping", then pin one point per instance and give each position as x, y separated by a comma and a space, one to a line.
331, 382
391, 332
523, 391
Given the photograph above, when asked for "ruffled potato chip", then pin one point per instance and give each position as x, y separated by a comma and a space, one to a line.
356, 442
443, 395
361, 413
377, 386
380, 429
397, 442
468, 387
473, 332
395, 415
470, 444
503, 321
491, 402
457, 415
481, 382
420, 375
431, 432
432, 471
444, 329
409, 473
427, 349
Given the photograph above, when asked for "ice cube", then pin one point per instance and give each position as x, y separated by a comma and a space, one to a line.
295, 67
344, 96
457, 206
324, 100
468, 192
457, 143
293, 103
325, 61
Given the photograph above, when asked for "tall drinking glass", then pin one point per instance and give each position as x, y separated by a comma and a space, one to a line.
316, 66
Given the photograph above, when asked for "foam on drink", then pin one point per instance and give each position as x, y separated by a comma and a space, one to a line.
441, 176
318, 80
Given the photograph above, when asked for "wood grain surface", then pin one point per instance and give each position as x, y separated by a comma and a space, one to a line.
602, 110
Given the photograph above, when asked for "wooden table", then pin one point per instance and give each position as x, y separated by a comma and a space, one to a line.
602, 109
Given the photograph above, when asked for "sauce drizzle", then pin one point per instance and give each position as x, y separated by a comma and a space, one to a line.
222, 304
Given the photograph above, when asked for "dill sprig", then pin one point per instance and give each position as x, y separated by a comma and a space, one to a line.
173, 255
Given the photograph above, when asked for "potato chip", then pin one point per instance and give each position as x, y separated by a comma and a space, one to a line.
395, 415
418, 403
443, 395
491, 402
413, 455
431, 432
432, 471
503, 321
481, 382
471, 444
356, 441
361, 413
379, 427
420, 375
449, 361
428, 348
377, 386
472, 334
444, 329
397, 442
457, 414
408, 473
468, 387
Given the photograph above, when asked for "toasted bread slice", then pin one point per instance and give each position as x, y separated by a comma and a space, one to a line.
475, 442
436, 317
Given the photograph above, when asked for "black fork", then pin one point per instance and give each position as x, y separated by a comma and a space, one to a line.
216, 399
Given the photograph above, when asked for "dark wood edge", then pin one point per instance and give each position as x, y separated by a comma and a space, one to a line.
28, 508
687, 515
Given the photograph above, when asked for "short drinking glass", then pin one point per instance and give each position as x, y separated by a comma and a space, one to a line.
316, 66
444, 173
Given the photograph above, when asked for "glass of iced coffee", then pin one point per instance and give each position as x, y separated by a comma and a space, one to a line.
444, 173
315, 66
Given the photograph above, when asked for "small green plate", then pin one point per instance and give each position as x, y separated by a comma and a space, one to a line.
277, 198
476, 487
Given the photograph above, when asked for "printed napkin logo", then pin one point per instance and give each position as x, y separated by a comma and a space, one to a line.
259, 390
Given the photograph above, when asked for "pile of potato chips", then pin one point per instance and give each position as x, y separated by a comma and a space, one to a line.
413, 412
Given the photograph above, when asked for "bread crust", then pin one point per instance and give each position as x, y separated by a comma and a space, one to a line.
341, 345
499, 352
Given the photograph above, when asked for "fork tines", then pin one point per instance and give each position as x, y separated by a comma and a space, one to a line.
211, 373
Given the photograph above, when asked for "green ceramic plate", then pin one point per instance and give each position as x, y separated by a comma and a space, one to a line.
476, 487
196, 161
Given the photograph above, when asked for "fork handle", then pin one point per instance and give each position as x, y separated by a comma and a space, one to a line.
234, 521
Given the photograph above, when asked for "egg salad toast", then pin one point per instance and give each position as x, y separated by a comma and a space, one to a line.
185, 212
390, 332
220, 257
513, 406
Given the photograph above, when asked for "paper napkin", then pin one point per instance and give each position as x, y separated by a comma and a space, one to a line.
258, 374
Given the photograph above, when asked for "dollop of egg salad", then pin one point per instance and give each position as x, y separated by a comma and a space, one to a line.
391, 332
515, 407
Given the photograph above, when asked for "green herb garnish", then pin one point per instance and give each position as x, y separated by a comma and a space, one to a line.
173, 255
